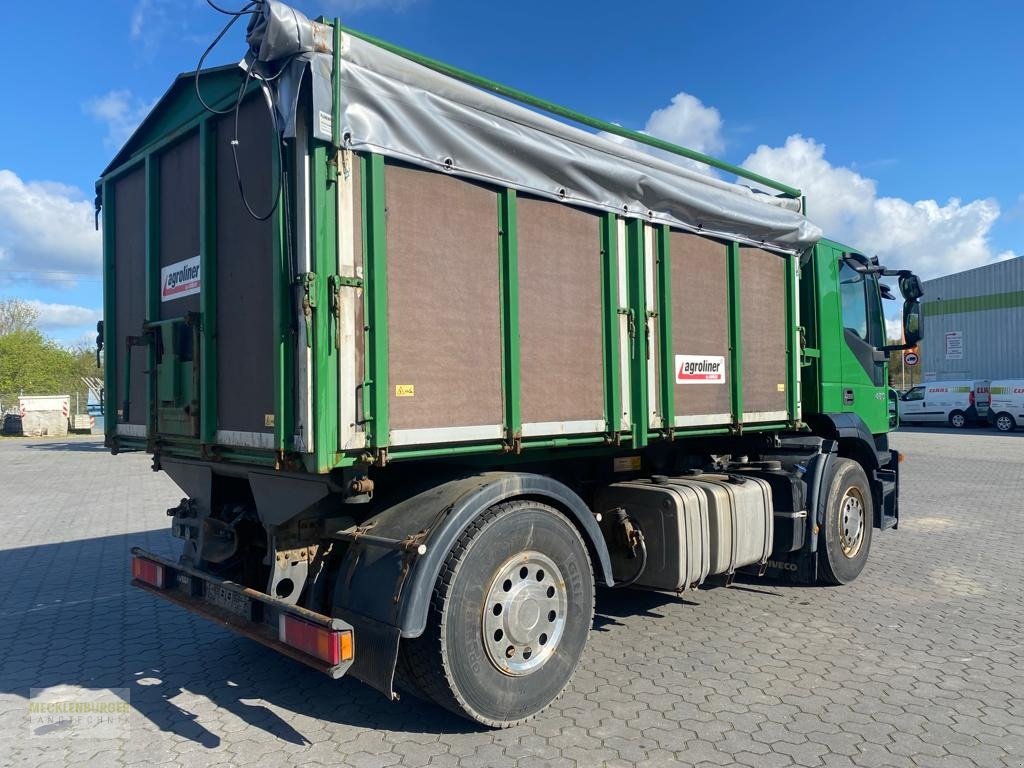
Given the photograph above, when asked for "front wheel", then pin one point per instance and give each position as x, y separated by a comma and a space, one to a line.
849, 519
1005, 422
958, 419
509, 618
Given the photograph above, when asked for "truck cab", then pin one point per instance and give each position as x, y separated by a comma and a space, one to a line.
847, 353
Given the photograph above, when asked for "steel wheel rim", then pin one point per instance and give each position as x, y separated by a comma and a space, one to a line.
851, 522
1003, 422
524, 612
958, 420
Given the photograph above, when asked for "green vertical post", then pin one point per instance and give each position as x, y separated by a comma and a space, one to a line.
509, 273
792, 340
111, 396
667, 367
324, 262
610, 313
735, 334
332, 167
636, 282
152, 285
376, 297
208, 282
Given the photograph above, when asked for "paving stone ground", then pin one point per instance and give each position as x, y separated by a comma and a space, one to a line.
919, 663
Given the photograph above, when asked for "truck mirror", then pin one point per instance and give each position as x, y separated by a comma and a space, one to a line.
910, 287
911, 322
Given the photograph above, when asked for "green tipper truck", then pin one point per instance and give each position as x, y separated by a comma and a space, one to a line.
430, 365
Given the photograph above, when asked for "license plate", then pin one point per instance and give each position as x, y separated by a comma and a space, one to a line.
237, 604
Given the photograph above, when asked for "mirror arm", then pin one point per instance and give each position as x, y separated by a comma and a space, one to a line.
897, 347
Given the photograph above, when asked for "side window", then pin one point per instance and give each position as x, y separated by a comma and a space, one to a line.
854, 300
917, 393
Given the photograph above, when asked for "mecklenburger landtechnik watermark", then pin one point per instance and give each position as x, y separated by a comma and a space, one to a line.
69, 711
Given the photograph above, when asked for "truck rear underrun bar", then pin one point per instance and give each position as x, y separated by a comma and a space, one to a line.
250, 613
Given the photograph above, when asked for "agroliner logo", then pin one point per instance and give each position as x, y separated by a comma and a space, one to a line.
700, 369
180, 279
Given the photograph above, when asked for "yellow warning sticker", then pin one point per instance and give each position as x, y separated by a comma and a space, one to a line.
405, 390
782, 387
268, 419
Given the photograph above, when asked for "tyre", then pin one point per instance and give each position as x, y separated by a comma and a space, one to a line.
849, 519
1004, 422
509, 618
958, 419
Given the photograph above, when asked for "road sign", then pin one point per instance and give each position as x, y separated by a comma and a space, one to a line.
911, 358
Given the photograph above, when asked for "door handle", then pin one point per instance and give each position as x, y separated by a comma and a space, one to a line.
847, 397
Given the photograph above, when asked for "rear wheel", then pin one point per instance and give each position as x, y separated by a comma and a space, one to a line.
1005, 422
509, 618
958, 419
849, 519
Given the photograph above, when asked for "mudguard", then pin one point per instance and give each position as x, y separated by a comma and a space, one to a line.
394, 587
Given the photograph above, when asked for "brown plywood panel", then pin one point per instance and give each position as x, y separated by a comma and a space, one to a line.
130, 289
443, 312
179, 214
245, 330
559, 313
763, 327
700, 317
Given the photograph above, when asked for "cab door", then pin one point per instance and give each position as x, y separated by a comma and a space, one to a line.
865, 373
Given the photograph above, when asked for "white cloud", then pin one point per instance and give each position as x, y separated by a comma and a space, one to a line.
138, 19
122, 112
930, 237
46, 230
894, 328
685, 121
64, 316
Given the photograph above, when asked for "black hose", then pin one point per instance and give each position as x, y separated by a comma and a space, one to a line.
642, 546
235, 16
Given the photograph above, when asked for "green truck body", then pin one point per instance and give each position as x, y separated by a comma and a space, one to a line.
347, 384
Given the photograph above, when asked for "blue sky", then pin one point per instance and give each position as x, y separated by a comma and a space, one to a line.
901, 121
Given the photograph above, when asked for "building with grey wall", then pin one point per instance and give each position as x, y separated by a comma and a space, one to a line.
974, 324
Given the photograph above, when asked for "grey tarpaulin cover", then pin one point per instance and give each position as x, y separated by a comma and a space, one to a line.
401, 109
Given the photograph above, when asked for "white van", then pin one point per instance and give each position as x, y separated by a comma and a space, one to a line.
1007, 407
957, 403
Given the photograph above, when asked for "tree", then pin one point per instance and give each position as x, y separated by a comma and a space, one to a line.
32, 364
17, 315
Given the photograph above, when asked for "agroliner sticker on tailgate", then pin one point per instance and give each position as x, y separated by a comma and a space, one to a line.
179, 279
700, 369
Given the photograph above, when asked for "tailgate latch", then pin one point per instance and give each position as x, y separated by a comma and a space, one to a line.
307, 280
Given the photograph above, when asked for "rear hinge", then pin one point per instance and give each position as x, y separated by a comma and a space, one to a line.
630, 321
306, 280
513, 442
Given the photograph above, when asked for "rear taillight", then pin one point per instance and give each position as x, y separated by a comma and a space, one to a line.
148, 572
970, 398
330, 645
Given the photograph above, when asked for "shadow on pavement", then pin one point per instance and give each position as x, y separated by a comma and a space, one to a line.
88, 444
80, 623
